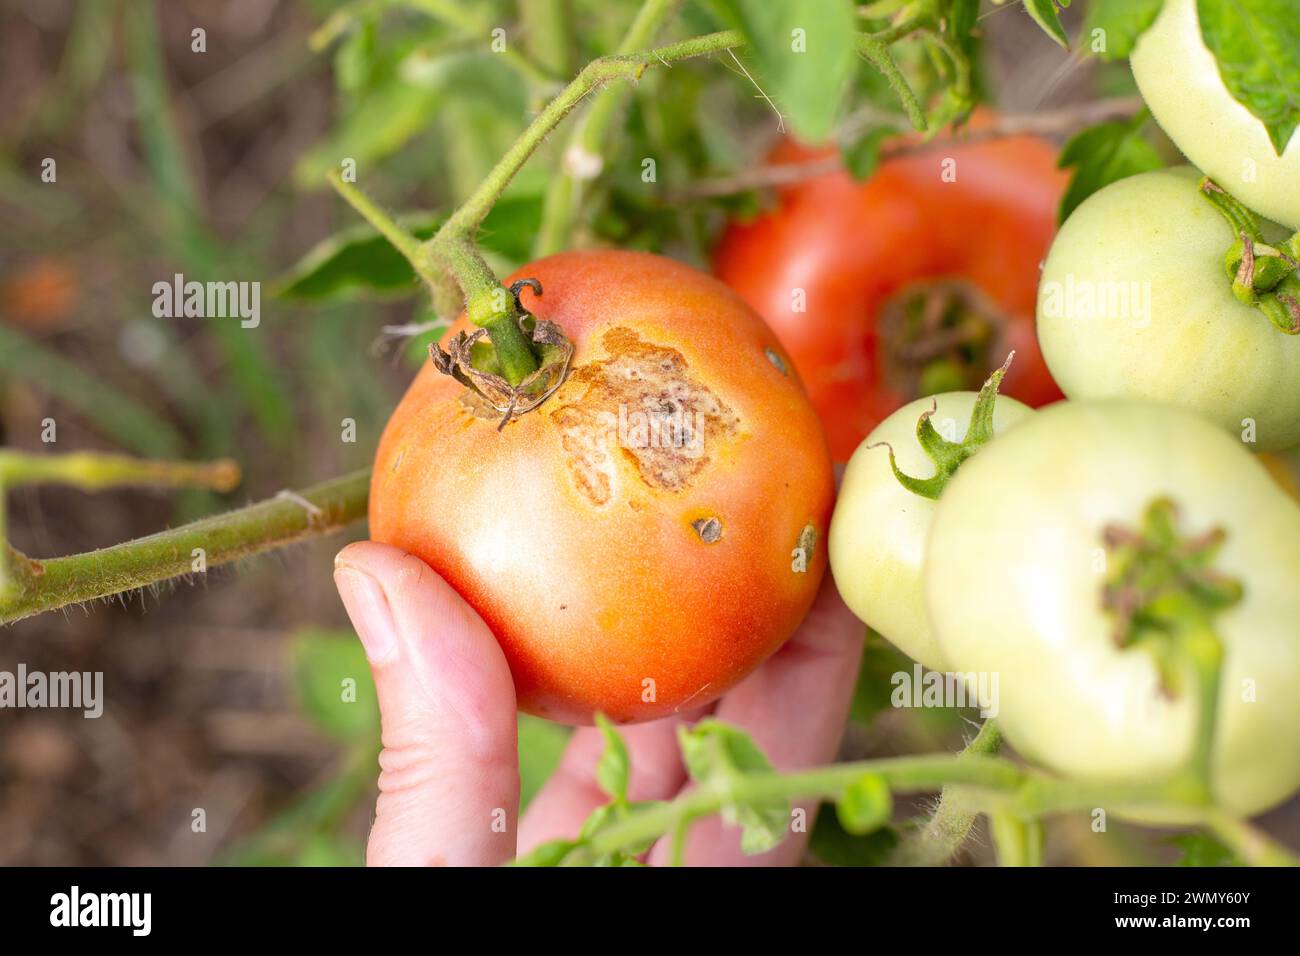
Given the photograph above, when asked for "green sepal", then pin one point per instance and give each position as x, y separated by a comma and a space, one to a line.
947, 455
1263, 276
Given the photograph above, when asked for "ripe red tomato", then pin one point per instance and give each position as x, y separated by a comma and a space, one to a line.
911, 284
622, 573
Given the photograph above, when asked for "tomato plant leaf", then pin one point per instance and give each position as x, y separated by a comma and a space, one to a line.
1257, 46
334, 684
1201, 849
862, 158
614, 767
1045, 15
803, 56
833, 845
356, 261
718, 755
865, 805
1104, 154
541, 745
1121, 22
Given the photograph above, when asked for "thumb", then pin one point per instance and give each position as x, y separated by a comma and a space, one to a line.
449, 770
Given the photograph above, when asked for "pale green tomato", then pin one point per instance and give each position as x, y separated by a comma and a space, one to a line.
1134, 302
1014, 582
878, 531
1179, 79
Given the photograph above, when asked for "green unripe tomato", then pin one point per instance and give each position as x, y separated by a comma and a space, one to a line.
1019, 560
878, 531
1134, 302
1179, 79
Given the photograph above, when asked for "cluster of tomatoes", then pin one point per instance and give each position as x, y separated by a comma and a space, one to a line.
1088, 552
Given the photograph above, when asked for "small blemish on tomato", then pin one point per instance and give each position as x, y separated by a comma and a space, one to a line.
709, 529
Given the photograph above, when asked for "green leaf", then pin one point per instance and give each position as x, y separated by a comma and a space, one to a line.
1257, 46
718, 755
358, 263
614, 767
865, 805
355, 262
1201, 849
541, 745
862, 158
803, 56
1121, 23
835, 846
383, 120
1044, 14
334, 684
1102, 155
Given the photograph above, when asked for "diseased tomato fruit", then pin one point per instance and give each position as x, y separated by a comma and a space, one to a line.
918, 280
878, 533
1180, 81
1085, 554
653, 531
1135, 302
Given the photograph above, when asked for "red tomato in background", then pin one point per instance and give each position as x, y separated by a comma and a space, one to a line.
912, 284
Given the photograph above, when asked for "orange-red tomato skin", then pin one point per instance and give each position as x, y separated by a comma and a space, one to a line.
617, 604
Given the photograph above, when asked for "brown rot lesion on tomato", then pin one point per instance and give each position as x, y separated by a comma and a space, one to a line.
804, 549
470, 359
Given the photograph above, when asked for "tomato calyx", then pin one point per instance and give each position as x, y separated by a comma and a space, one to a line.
937, 337
1264, 276
1163, 589
949, 455
471, 360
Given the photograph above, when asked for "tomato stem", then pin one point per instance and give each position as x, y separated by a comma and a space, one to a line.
42, 585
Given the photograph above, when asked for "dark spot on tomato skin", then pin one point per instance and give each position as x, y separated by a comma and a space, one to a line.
709, 529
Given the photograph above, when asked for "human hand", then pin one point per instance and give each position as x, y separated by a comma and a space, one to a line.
450, 764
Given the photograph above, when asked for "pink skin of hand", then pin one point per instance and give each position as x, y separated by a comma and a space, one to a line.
449, 770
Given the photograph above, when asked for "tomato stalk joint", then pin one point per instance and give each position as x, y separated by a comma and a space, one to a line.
1263, 275
480, 365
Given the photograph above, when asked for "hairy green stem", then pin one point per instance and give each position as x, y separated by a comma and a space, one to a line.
564, 195
44, 585
944, 833
877, 53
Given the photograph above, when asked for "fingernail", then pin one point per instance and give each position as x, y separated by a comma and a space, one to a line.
367, 605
